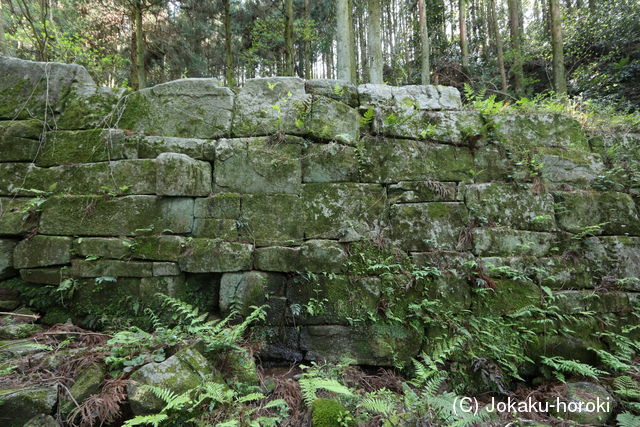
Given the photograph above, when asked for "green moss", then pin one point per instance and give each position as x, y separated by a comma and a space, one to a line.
328, 413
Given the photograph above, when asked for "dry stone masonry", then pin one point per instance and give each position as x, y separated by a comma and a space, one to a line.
266, 195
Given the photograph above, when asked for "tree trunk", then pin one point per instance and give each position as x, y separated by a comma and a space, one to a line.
559, 78
229, 79
352, 45
4, 49
140, 51
464, 43
374, 42
343, 36
494, 29
516, 66
308, 60
134, 56
425, 45
288, 38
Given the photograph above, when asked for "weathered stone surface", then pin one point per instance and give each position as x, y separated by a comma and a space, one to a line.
42, 420
42, 251
427, 97
258, 165
329, 163
317, 256
491, 163
574, 167
617, 255
333, 121
375, 345
393, 160
88, 106
110, 268
535, 130
20, 405
270, 105
17, 215
87, 383
87, 215
25, 179
271, 219
343, 211
6, 258
340, 90
158, 248
165, 269
213, 255
453, 127
45, 276
81, 146
179, 373
591, 403
36, 89
196, 108
173, 285
104, 247
509, 296
219, 205
576, 301
216, 228
428, 226
19, 140
615, 213
505, 242
150, 147
240, 291
512, 206
180, 175
422, 191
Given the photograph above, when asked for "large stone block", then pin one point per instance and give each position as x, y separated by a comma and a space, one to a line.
505, 242
393, 160
19, 405
423, 97
428, 226
81, 146
615, 213
329, 163
241, 291
271, 219
271, 105
258, 165
516, 206
422, 191
17, 215
150, 147
120, 216
19, 140
44, 276
42, 251
346, 211
6, 258
509, 297
26, 179
31, 89
219, 205
453, 127
573, 167
340, 90
104, 247
110, 268
536, 130
316, 256
333, 121
617, 256
225, 229
215, 256
90, 107
158, 248
576, 301
195, 108
180, 175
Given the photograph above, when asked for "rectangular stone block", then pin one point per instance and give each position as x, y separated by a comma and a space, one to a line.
422, 191
618, 256
180, 175
329, 163
6, 257
19, 140
150, 147
258, 165
42, 251
509, 297
536, 130
225, 229
345, 211
271, 219
104, 247
343, 125
44, 276
616, 213
26, 179
81, 146
515, 206
17, 215
428, 226
114, 178
505, 242
393, 160
219, 205
120, 216
110, 268
317, 256
158, 248
215, 256
576, 301
166, 269
241, 291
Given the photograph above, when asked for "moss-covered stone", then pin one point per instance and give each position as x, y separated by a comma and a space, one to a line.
82, 146
271, 219
241, 291
159, 248
333, 121
343, 211
26, 179
422, 191
98, 216
197, 108
104, 247
18, 330
110, 268
576, 301
618, 256
258, 165
18, 215
150, 147
392, 160
19, 140
340, 90
327, 413
44, 276
20, 405
6, 258
428, 226
535, 130
505, 242
316, 256
519, 207
219, 205
213, 255
575, 167
329, 163
509, 296
591, 403
89, 107
180, 175
614, 213
42, 251
216, 228
87, 383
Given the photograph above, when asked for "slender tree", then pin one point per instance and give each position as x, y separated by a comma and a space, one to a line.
494, 30
425, 45
308, 60
516, 46
559, 78
352, 44
374, 42
343, 45
464, 42
228, 55
4, 49
140, 49
288, 38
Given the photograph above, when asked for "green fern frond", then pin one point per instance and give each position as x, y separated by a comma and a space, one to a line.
561, 366
310, 386
378, 405
627, 419
154, 420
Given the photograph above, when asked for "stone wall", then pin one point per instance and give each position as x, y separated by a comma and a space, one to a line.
272, 194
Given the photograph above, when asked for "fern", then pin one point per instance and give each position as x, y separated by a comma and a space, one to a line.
310, 386
378, 405
561, 366
627, 419
154, 420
